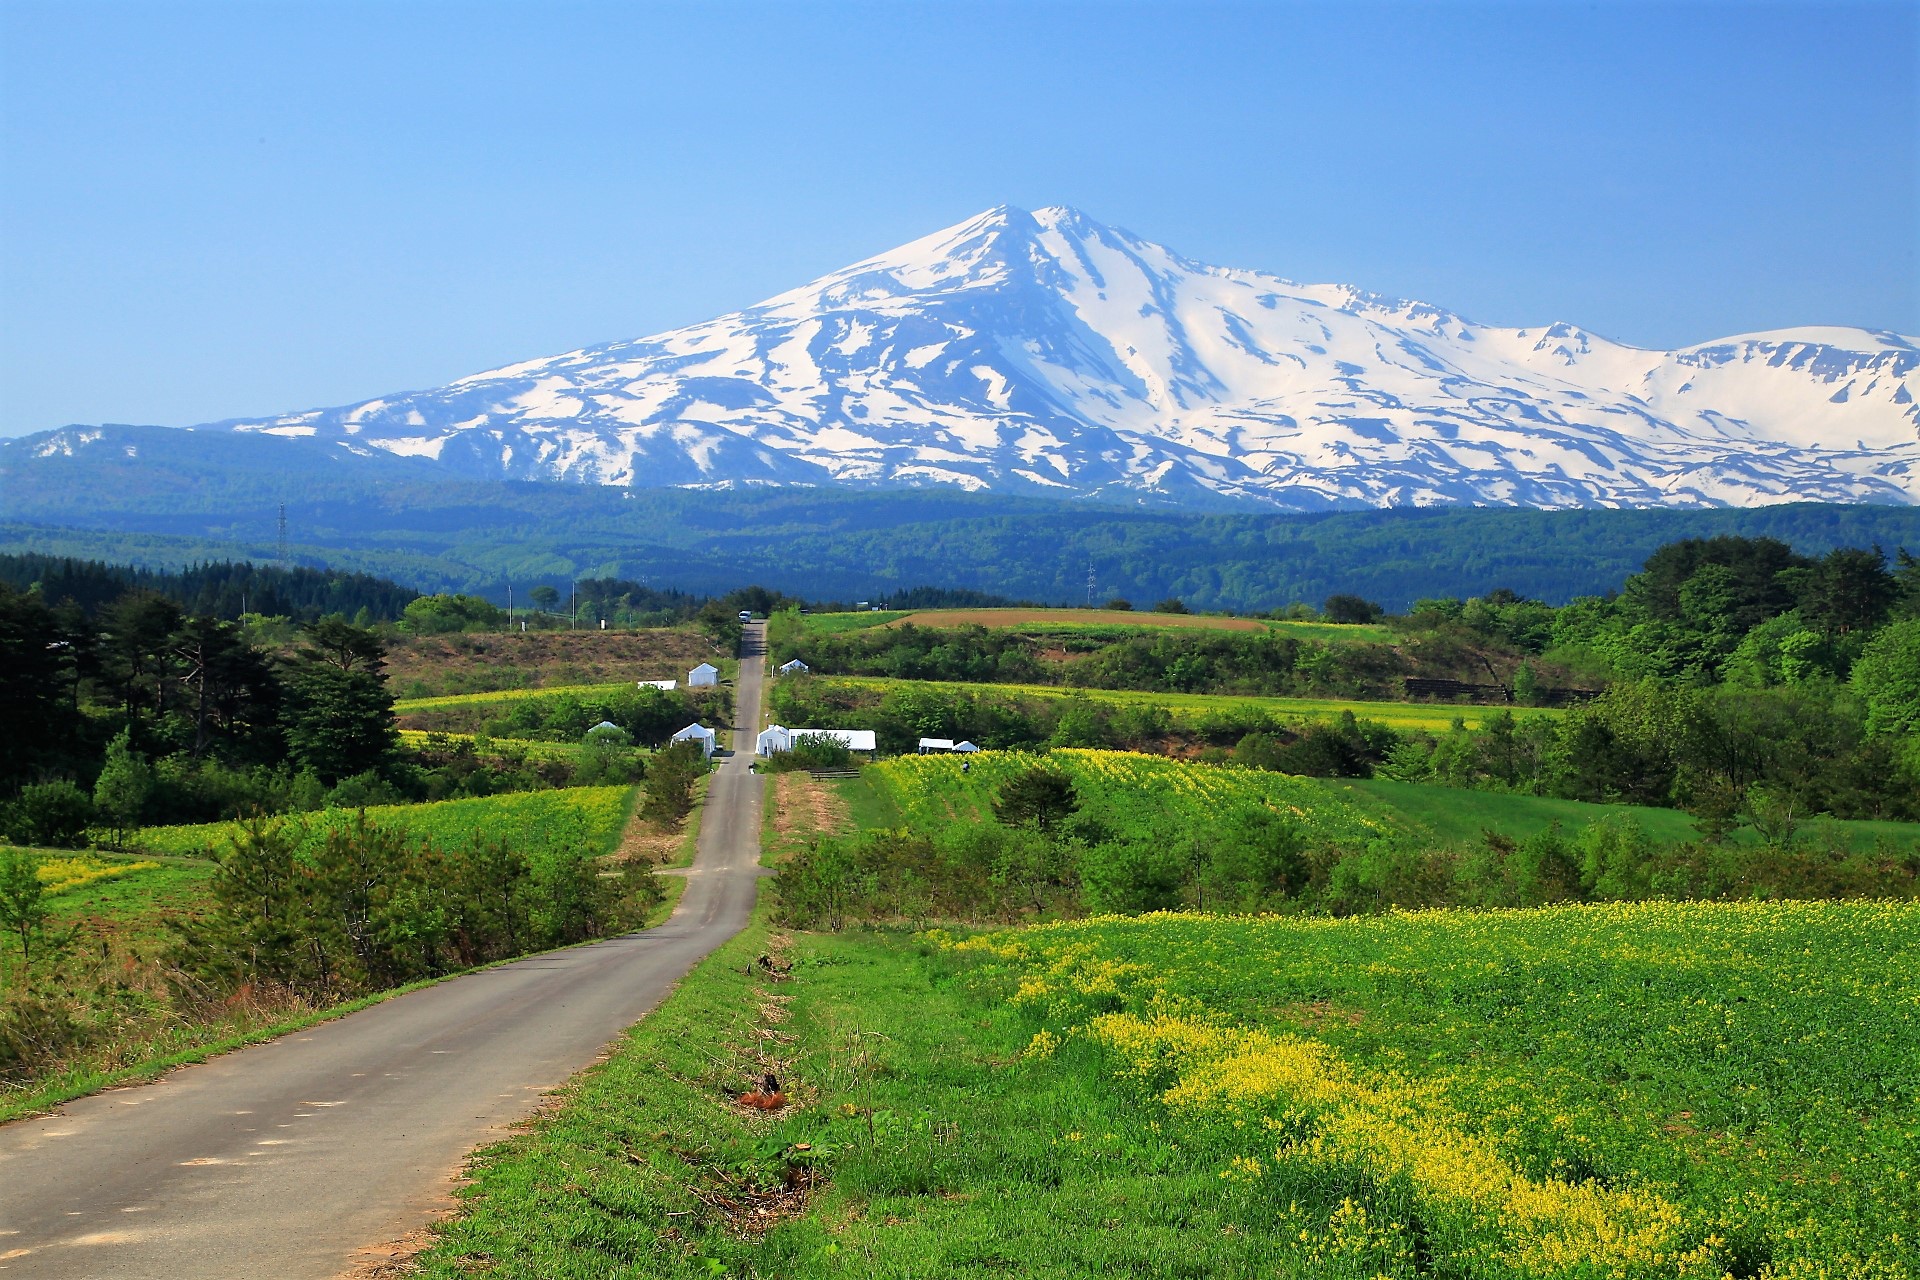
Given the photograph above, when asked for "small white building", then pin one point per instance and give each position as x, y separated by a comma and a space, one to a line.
851, 739
936, 746
794, 668
778, 738
698, 733
703, 676
668, 685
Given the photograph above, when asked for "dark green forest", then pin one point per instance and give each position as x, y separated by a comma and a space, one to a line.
175, 502
225, 590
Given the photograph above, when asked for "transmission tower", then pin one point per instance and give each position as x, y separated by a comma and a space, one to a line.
281, 543
1089, 584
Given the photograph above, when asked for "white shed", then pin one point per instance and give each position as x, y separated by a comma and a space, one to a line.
777, 738
794, 668
935, 746
668, 685
704, 674
697, 733
851, 739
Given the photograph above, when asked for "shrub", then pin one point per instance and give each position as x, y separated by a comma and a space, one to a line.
54, 815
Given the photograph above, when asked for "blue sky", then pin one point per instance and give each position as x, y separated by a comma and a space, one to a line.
217, 210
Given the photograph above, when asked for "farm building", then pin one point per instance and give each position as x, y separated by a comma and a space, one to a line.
934, 746
668, 685
776, 738
698, 733
705, 674
794, 668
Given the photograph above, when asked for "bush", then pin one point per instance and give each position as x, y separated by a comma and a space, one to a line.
670, 780
54, 815
362, 907
1351, 609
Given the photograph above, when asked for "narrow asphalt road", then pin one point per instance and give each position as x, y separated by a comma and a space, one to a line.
283, 1159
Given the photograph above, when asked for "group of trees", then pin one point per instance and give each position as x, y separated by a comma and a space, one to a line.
1745, 680
144, 712
360, 907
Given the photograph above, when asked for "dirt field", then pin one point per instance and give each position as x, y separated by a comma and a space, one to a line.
1070, 618
805, 806
432, 666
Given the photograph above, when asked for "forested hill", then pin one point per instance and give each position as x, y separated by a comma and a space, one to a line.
843, 545
221, 590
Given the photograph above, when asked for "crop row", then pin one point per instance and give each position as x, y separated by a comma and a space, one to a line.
451, 700
1656, 1089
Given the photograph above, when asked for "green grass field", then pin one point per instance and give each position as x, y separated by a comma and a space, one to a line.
532, 820
1634, 1091
1190, 707
832, 623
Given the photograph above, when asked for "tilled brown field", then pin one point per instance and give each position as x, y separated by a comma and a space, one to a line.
430, 666
1071, 617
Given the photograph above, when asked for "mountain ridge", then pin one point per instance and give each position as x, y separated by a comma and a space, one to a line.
1049, 354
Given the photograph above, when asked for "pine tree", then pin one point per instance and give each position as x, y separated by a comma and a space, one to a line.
121, 791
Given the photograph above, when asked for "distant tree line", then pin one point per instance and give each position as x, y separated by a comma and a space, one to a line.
223, 589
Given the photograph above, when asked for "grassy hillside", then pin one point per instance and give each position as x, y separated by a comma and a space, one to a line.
1631, 1091
1458, 816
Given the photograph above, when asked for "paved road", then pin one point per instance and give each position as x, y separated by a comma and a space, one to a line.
282, 1159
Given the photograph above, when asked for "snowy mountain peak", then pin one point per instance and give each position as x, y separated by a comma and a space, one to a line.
1046, 351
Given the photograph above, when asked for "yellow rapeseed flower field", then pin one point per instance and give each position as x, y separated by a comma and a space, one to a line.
59, 874
1654, 1089
1127, 789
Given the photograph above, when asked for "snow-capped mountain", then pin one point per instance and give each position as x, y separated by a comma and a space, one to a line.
1046, 352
